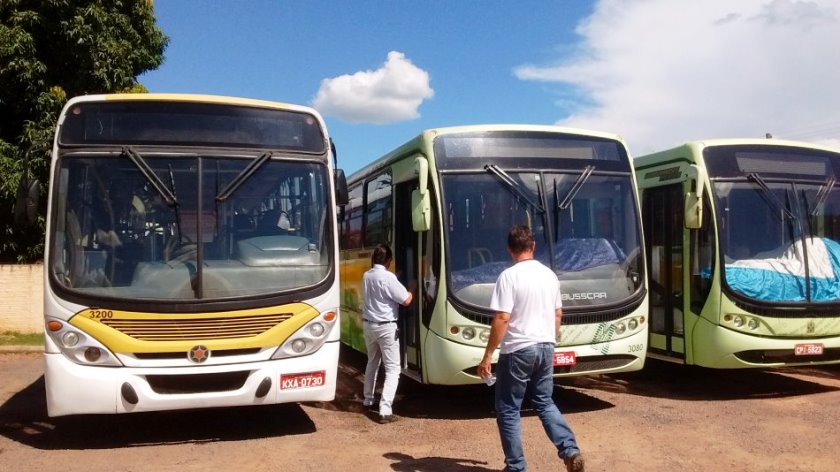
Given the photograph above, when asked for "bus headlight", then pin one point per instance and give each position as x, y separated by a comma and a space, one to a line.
79, 347
620, 328
752, 324
468, 333
316, 329
632, 324
309, 337
298, 345
70, 339
484, 336
93, 354
738, 321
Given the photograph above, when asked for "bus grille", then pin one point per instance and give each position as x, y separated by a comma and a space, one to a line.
196, 328
596, 363
197, 383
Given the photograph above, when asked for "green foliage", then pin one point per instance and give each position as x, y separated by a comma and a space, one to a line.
51, 50
13, 338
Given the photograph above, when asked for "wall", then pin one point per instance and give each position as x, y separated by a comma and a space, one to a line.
22, 298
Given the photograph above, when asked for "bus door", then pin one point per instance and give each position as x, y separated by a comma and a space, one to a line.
407, 269
663, 216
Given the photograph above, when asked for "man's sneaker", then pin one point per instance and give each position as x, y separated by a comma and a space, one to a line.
385, 419
574, 463
370, 406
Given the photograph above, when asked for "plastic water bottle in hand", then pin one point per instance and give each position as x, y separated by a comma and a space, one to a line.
490, 380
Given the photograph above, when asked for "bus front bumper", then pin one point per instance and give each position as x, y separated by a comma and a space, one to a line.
724, 348
74, 389
451, 363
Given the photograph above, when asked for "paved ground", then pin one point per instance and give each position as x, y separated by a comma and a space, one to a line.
665, 418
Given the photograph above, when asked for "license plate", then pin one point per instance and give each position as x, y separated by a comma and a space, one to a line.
302, 380
565, 358
814, 349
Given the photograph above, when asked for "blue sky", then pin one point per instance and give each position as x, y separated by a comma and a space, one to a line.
656, 72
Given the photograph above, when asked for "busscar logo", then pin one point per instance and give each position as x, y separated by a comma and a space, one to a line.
198, 354
811, 327
584, 296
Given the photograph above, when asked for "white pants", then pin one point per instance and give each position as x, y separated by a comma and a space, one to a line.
383, 346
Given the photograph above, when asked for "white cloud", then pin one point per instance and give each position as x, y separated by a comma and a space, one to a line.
660, 72
389, 94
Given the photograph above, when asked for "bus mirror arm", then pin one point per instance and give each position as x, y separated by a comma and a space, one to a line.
421, 169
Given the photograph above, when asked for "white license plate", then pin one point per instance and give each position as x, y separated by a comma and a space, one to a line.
813, 349
565, 358
302, 380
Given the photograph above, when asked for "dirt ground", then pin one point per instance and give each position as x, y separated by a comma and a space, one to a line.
664, 418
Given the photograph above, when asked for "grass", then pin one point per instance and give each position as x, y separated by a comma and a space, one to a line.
12, 338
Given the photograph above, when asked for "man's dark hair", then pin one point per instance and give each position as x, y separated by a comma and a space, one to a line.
520, 239
382, 255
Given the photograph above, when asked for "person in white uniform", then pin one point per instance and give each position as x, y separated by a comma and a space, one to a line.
383, 294
528, 307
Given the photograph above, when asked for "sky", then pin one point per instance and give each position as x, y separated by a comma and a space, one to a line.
655, 72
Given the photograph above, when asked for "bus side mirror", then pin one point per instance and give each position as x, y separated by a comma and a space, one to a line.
695, 176
421, 211
342, 196
26, 203
693, 211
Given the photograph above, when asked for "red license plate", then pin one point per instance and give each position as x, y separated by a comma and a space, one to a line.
302, 380
565, 358
813, 349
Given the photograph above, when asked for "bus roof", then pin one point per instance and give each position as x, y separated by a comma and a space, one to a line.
424, 141
695, 147
195, 98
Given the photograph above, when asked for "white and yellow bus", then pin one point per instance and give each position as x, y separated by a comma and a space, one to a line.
445, 202
191, 255
743, 248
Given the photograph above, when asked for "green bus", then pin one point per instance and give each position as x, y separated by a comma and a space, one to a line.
743, 249
445, 201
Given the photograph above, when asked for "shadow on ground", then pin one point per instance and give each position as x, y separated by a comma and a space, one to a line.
407, 463
681, 382
416, 400
23, 418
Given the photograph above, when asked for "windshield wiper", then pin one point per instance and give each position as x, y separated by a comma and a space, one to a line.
150, 175
822, 195
582, 178
769, 196
512, 185
246, 173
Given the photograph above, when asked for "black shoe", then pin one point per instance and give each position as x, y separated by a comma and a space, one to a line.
574, 463
385, 419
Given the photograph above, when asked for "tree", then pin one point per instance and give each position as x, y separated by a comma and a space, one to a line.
51, 50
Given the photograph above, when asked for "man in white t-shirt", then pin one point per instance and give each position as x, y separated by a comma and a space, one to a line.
528, 309
383, 294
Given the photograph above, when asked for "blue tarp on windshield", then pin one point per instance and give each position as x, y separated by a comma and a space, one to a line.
783, 279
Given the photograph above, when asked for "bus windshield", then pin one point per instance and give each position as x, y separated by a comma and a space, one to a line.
586, 230
120, 232
779, 225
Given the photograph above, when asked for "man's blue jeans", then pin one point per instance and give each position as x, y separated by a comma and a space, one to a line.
532, 365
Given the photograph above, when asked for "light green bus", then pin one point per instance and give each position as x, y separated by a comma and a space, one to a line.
445, 201
743, 248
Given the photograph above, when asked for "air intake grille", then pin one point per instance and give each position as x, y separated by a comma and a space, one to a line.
196, 328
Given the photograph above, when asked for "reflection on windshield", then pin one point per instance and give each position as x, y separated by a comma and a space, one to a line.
765, 256
592, 244
115, 235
